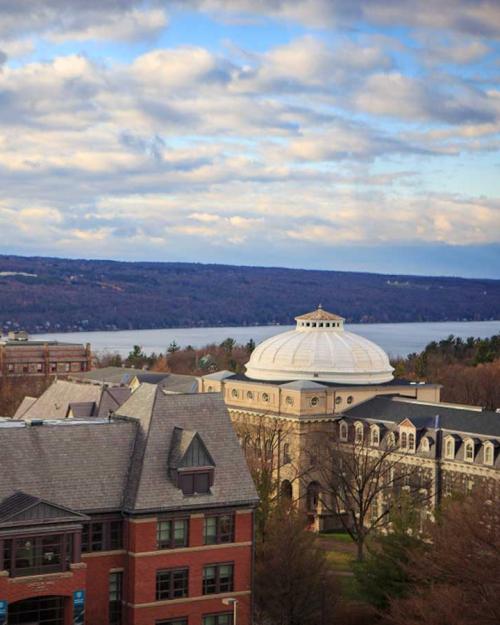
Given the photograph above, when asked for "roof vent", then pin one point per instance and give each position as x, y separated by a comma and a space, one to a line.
36, 422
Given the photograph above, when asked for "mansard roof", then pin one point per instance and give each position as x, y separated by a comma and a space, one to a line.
430, 415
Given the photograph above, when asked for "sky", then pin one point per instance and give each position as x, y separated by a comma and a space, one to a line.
323, 134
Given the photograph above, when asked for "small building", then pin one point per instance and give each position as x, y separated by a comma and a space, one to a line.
145, 518
22, 357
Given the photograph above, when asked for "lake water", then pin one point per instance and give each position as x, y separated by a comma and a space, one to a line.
397, 339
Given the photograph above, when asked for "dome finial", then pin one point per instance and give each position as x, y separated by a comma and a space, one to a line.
320, 306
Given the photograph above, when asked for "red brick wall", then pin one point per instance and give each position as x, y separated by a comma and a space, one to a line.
140, 568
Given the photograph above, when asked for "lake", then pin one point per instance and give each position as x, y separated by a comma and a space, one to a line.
397, 339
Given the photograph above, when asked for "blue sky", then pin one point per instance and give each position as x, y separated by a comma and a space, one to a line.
333, 134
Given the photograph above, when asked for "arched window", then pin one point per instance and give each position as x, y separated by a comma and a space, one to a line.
286, 490
469, 451
312, 497
375, 436
411, 441
404, 440
344, 431
488, 453
424, 445
359, 432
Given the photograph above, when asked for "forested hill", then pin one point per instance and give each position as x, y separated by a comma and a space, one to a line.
41, 294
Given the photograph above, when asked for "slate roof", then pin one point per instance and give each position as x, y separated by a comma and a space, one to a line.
124, 375
150, 487
55, 401
84, 400
81, 467
446, 417
123, 464
24, 406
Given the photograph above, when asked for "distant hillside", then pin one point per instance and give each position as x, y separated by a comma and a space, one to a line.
41, 294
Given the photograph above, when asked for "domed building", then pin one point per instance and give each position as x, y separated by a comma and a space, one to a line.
303, 381
321, 349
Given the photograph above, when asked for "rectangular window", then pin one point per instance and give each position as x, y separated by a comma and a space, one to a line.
102, 536
172, 584
218, 619
115, 598
219, 529
191, 483
37, 554
172, 533
217, 578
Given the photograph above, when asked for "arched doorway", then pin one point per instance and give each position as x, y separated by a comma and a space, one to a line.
37, 611
313, 497
286, 490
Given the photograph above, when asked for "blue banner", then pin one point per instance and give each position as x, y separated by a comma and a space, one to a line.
3, 612
78, 607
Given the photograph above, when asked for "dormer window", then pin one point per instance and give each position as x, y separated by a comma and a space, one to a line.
488, 454
411, 441
469, 451
358, 429
404, 440
449, 448
190, 463
375, 435
424, 445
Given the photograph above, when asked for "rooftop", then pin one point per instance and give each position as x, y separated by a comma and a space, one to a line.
456, 419
319, 315
125, 459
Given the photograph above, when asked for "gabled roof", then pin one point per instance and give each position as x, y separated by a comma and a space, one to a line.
319, 315
188, 449
22, 508
111, 399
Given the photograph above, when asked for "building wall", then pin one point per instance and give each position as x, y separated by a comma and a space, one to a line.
43, 359
139, 561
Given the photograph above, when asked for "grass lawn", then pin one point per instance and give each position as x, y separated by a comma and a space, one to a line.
339, 537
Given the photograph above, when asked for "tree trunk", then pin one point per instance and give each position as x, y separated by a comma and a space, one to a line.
360, 543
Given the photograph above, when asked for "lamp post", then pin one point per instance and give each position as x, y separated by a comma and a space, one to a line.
234, 602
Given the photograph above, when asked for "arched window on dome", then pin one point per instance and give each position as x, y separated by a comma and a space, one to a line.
375, 435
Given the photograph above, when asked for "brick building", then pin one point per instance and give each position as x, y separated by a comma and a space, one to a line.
144, 519
20, 356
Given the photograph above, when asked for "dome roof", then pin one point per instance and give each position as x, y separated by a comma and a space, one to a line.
319, 348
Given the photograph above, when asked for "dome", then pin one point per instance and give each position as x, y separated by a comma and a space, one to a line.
320, 349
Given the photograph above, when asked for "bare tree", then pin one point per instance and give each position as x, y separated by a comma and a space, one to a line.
364, 478
293, 583
455, 580
266, 444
